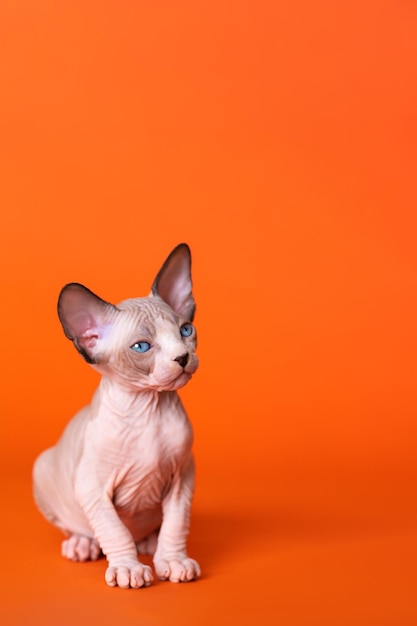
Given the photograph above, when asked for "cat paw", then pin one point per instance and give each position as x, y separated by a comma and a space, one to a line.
127, 575
81, 548
179, 570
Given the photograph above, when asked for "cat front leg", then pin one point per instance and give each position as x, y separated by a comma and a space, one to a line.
124, 569
171, 560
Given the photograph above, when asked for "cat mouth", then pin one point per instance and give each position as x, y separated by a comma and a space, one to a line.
180, 381
173, 382
176, 383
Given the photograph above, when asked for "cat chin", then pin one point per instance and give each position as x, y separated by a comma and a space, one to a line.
182, 380
175, 384
158, 386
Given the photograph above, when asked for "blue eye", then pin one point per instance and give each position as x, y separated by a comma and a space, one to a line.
186, 330
141, 346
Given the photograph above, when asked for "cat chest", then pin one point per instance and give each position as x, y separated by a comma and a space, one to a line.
144, 469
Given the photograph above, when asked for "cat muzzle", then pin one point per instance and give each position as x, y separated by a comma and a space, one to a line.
183, 359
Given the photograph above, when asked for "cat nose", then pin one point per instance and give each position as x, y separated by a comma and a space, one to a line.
183, 359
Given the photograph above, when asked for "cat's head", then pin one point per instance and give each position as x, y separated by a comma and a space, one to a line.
142, 343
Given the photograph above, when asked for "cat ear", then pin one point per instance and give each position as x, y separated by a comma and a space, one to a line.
173, 282
85, 318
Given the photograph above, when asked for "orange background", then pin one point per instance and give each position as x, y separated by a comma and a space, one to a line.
278, 140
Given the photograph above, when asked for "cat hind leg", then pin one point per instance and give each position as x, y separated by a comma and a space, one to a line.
81, 548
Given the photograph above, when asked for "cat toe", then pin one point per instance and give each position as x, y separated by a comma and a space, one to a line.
81, 548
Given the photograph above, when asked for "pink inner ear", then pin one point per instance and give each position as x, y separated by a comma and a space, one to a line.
83, 324
85, 317
173, 282
179, 298
89, 338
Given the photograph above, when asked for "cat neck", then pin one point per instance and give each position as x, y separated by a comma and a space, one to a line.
123, 401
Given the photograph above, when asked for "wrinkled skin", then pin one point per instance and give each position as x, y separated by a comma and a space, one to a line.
120, 480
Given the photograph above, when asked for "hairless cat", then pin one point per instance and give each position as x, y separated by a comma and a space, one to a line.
120, 480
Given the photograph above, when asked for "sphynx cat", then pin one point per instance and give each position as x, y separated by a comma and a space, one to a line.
120, 480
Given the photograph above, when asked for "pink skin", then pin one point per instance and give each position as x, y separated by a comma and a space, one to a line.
120, 480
